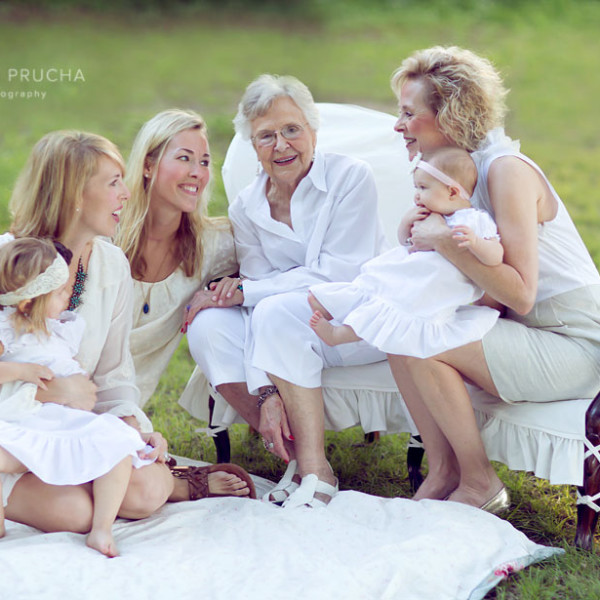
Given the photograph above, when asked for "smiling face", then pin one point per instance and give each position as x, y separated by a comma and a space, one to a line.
287, 161
183, 172
102, 199
416, 121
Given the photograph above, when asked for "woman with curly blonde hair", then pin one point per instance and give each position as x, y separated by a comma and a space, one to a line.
547, 286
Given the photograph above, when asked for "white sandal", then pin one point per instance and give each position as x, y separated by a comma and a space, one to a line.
313, 493
286, 486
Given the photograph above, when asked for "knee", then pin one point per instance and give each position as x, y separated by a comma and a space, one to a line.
405, 366
75, 514
201, 329
273, 311
149, 488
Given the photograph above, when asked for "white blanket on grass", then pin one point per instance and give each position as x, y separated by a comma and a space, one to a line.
361, 547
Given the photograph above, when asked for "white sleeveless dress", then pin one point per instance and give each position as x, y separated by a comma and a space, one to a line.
413, 304
555, 348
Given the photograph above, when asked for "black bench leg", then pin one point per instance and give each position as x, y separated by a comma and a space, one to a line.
414, 458
587, 517
221, 439
372, 437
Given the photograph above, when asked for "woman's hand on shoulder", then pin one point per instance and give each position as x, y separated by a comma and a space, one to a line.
75, 391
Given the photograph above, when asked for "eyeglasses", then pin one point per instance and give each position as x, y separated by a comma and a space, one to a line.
266, 138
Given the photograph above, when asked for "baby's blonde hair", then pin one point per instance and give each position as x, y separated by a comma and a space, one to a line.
464, 91
22, 260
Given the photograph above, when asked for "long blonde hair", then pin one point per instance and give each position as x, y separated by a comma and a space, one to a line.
49, 189
148, 148
464, 91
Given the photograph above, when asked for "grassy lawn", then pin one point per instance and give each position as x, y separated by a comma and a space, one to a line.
134, 65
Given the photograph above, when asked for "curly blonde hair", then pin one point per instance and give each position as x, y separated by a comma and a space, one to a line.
148, 148
464, 90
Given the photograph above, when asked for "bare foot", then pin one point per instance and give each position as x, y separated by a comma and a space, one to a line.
317, 306
227, 484
102, 541
2, 529
322, 328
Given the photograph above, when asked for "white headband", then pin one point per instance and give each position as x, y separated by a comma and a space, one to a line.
49, 280
440, 176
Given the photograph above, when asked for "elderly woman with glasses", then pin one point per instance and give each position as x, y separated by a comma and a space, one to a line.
308, 217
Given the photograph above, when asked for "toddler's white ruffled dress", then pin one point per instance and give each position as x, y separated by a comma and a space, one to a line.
61, 445
413, 304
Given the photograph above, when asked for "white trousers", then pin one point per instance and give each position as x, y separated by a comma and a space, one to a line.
284, 344
218, 339
243, 344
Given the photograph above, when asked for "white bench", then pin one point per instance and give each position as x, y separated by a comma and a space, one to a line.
557, 441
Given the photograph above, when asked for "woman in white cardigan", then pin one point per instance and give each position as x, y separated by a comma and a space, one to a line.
308, 217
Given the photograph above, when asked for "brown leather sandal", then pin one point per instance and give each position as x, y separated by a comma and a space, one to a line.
197, 478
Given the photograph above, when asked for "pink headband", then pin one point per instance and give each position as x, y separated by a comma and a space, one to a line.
445, 179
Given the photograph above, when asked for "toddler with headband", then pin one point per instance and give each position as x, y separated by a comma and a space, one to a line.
412, 303
38, 341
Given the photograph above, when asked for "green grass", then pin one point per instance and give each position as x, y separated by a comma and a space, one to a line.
195, 56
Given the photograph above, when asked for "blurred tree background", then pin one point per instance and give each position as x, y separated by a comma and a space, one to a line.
109, 65
139, 57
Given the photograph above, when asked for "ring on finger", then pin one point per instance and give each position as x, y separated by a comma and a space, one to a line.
268, 445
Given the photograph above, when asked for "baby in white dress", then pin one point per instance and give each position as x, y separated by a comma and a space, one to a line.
417, 303
38, 341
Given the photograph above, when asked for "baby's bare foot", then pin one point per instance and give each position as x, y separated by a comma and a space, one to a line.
227, 484
318, 307
2, 529
102, 541
323, 328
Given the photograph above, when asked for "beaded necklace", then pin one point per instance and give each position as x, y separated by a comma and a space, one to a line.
78, 286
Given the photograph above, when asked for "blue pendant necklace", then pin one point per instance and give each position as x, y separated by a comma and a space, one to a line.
146, 305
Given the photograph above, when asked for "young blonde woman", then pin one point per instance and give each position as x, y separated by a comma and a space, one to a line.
174, 249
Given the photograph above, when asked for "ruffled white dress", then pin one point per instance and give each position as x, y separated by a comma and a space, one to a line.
61, 445
413, 304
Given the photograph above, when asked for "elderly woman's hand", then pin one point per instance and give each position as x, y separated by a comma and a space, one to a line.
221, 294
274, 426
75, 391
226, 292
426, 233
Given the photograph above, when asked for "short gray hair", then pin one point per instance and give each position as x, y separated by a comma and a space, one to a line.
261, 93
